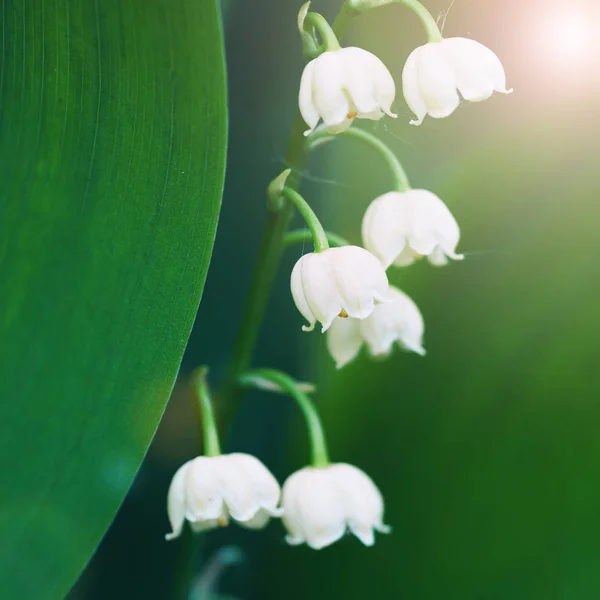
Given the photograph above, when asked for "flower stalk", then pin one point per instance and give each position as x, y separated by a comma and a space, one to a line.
210, 437
299, 236
319, 236
320, 455
429, 23
401, 183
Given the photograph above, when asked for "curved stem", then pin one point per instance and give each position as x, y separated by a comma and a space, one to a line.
401, 183
319, 22
320, 456
299, 236
431, 28
319, 236
212, 447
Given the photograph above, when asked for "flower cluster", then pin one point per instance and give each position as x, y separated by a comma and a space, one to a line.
345, 287
318, 504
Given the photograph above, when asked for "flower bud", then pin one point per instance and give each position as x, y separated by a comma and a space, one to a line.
435, 73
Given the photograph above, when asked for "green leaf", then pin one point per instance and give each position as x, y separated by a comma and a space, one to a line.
112, 144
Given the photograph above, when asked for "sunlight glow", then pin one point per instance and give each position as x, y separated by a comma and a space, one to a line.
569, 38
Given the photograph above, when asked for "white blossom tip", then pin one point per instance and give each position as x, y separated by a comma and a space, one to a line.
417, 122
310, 327
171, 536
383, 528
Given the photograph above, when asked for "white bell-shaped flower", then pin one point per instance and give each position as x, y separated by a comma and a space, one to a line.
400, 227
321, 503
206, 491
340, 85
398, 320
435, 73
344, 281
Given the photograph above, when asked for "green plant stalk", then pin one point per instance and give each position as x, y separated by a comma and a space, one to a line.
401, 183
319, 237
212, 447
299, 236
320, 455
431, 28
269, 256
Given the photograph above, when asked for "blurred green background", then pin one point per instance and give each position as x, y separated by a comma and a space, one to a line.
487, 451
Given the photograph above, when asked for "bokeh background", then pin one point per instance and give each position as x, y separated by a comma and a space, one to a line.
487, 450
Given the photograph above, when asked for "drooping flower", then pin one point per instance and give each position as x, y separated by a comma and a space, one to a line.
321, 503
399, 227
398, 320
435, 73
345, 281
340, 85
206, 491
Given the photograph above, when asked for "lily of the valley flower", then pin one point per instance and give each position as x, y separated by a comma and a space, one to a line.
398, 320
399, 227
344, 281
321, 504
436, 72
340, 85
207, 490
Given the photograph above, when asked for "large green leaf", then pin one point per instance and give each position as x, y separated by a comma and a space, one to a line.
112, 143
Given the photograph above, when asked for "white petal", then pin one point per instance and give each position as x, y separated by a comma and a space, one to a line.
320, 286
396, 321
176, 501
249, 487
363, 503
344, 340
360, 280
312, 510
306, 104
432, 224
329, 96
430, 83
300, 297
368, 82
204, 496
384, 230
410, 88
478, 71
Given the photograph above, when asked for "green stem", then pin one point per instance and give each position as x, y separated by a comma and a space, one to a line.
431, 28
299, 236
401, 183
320, 456
319, 236
319, 22
266, 266
209, 424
